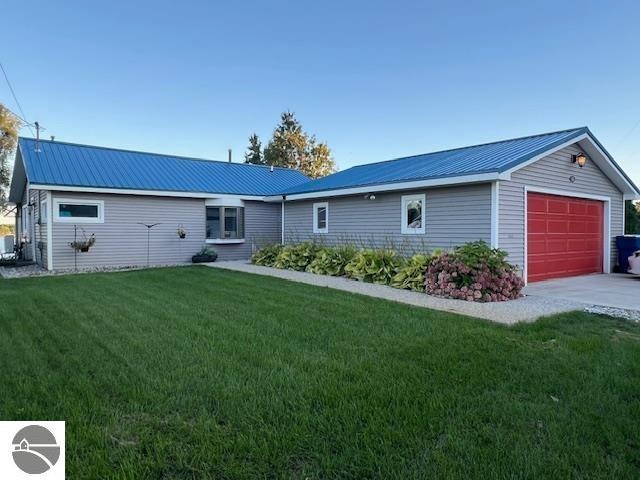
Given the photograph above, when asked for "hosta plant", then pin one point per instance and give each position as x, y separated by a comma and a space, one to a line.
296, 257
374, 266
266, 256
332, 260
411, 275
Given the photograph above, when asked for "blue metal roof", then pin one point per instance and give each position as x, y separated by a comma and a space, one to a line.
68, 164
486, 158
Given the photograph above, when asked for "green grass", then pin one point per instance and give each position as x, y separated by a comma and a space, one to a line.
201, 373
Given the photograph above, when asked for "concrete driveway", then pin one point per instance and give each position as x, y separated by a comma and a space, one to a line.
612, 290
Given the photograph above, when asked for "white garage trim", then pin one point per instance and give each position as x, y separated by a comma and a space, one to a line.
606, 240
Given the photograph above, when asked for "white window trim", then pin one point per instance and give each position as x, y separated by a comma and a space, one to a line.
25, 228
224, 202
316, 206
224, 241
77, 201
405, 200
44, 211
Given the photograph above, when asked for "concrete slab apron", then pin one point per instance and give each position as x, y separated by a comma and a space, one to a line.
526, 309
610, 290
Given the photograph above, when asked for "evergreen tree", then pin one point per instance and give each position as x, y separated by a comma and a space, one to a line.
292, 147
254, 151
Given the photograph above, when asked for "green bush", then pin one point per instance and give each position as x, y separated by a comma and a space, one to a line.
296, 257
374, 266
411, 275
332, 260
476, 254
266, 256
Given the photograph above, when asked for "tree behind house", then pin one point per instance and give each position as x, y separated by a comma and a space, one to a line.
9, 125
254, 151
291, 147
632, 218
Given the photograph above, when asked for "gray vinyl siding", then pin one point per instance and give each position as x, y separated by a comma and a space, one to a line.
40, 227
552, 172
454, 215
36, 248
122, 241
31, 250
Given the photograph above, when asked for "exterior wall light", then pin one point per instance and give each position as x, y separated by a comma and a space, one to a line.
580, 159
370, 196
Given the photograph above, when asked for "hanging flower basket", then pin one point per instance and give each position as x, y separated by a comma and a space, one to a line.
182, 233
84, 245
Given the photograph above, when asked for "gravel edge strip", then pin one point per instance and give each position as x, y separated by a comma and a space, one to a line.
525, 309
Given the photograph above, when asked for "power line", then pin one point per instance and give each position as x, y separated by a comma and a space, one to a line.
15, 98
20, 117
628, 134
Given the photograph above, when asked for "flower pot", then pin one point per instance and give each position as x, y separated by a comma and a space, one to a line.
183, 235
203, 258
84, 249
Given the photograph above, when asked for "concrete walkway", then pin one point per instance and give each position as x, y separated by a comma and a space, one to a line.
615, 290
526, 309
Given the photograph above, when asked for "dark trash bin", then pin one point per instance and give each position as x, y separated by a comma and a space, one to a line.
627, 244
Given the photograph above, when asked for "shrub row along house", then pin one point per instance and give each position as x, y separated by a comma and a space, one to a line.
553, 201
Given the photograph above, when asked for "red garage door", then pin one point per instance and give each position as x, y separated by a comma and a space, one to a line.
564, 236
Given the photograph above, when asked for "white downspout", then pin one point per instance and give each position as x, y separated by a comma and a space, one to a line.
284, 197
495, 214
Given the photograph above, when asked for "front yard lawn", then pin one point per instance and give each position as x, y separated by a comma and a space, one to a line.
200, 373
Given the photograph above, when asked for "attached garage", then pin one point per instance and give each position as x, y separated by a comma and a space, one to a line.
565, 236
559, 217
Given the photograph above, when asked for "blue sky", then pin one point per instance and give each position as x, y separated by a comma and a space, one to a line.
376, 80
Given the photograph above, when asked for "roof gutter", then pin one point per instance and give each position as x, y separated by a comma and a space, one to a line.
152, 193
389, 187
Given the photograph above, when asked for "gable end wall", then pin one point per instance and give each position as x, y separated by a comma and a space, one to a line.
552, 172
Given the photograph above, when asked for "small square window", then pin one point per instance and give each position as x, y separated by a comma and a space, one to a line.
413, 214
321, 217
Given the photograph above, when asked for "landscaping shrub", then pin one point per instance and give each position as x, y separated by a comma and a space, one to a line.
473, 272
296, 257
411, 276
266, 256
332, 260
374, 266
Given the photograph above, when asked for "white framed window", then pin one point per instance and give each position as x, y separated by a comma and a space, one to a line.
321, 217
66, 210
413, 214
43, 212
25, 226
225, 223
224, 220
